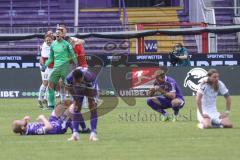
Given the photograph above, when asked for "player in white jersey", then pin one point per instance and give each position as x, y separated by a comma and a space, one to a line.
45, 52
207, 113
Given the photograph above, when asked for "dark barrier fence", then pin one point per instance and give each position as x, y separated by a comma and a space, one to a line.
31, 61
134, 34
118, 81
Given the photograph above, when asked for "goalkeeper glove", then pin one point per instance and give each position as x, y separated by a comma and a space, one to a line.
43, 67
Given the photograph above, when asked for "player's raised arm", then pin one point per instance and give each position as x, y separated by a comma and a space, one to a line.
51, 57
46, 123
71, 52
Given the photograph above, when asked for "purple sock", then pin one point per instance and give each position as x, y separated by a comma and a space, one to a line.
76, 121
94, 119
155, 107
82, 121
176, 110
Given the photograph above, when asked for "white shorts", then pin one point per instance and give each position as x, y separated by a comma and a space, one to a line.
45, 75
215, 117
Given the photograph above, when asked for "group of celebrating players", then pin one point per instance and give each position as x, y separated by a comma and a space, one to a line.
64, 68
70, 72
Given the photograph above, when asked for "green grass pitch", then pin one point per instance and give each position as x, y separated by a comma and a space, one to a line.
125, 133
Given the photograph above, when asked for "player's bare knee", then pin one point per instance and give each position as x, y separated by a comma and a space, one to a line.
155, 100
149, 101
226, 123
45, 83
207, 123
175, 102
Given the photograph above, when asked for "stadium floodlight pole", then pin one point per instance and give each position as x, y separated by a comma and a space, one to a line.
76, 16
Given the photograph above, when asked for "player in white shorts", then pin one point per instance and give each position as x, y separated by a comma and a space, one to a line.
45, 52
206, 98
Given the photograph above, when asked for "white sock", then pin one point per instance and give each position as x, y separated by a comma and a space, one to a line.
42, 91
62, 94
46, 94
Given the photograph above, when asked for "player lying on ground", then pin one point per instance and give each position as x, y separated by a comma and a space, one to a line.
58, 123
165, 94
206, 98
81, 82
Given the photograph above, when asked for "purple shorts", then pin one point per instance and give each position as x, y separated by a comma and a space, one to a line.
166, 102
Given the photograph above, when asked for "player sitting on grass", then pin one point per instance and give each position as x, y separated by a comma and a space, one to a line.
81, 82
206, 98
165, 94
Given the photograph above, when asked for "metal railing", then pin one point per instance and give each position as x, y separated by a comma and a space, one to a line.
237, 8
123, 11
40, 30
198, 12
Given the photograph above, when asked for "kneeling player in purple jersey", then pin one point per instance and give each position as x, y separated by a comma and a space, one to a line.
58, 123
165, 94
81, 82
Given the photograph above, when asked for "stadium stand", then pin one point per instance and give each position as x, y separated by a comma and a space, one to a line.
160, 16
41, 14
224, 16
31, 14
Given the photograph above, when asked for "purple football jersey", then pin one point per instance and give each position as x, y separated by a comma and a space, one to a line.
89, 83
166, 86
59, 127
176, 87
89, 78
37, 128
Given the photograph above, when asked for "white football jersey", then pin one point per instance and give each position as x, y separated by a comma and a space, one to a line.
45, 52
210, 95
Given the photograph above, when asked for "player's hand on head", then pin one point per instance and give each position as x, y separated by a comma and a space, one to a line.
40, 117
27, 118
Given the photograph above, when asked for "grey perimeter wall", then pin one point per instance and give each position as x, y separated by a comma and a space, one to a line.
115, 81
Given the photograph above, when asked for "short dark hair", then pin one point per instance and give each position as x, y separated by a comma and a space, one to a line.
77, 74
67, 38
59, 29
179, 44
47, 35
62, 25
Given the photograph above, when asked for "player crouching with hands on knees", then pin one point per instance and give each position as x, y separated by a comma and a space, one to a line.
206, 98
